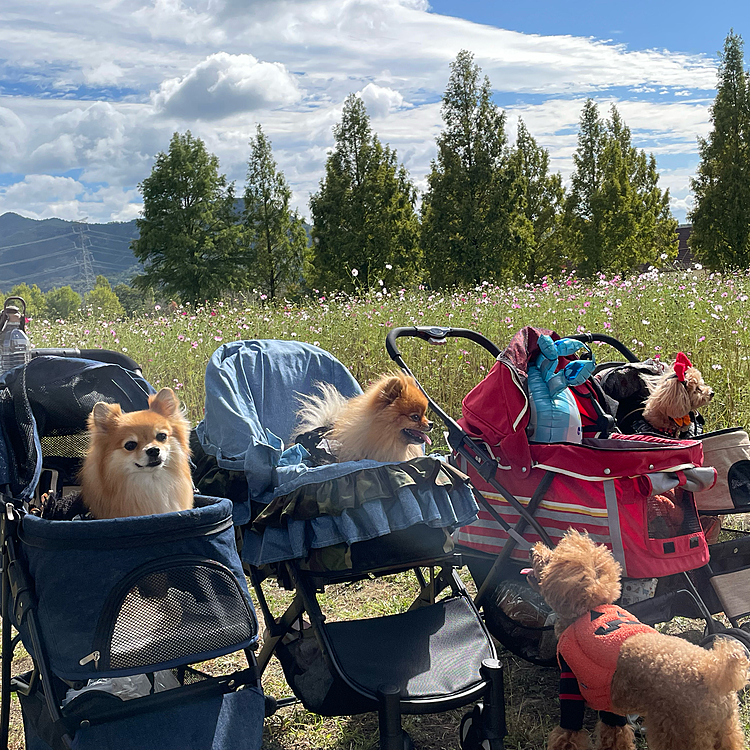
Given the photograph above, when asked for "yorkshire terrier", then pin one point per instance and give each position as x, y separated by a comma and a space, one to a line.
687, 695
675, 398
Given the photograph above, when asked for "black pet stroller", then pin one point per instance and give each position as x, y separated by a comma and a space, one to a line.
611, 485
115, 614
309, 526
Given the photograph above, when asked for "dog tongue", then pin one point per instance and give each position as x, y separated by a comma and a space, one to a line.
426, 438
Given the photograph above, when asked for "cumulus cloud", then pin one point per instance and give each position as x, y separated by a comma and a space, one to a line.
380, 100
224, 85
168, 65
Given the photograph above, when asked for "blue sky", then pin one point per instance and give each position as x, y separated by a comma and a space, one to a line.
92, 90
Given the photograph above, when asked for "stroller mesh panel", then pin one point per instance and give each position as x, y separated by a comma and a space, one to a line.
672, 515
175, 613
65, 446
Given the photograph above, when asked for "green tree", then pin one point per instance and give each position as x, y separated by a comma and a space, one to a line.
616, 216
62, 303
542, 206
33, 296
103, 301
276, 236
189, 237
363, 213
473, 226
134, 300
721, 213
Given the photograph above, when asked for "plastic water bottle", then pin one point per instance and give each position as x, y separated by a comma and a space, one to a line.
15, 347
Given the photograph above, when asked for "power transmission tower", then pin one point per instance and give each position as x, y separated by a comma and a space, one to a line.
85, 259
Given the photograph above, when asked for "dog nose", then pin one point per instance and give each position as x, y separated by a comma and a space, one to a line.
710, 393
429, 425
153, 451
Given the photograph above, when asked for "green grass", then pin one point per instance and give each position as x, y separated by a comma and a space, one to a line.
656, 315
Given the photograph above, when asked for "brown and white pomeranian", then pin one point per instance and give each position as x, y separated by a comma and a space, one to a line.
138, 463
387, 422
675, 396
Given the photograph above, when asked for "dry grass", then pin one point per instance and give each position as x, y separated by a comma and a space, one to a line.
530, 691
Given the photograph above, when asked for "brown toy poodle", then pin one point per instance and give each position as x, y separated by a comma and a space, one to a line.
675, 397
686, 694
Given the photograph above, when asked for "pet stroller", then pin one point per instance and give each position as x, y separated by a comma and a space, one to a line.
311, 526
612, 486
114, 613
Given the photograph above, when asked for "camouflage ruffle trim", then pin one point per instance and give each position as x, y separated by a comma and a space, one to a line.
383, 483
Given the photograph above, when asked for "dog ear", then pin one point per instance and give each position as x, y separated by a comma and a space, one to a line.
103, 416
164, 402
540, 555
391, 389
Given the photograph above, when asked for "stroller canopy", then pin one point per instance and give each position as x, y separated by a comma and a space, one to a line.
252, 392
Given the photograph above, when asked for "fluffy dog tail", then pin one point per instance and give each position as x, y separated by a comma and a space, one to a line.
318, 410
728, 670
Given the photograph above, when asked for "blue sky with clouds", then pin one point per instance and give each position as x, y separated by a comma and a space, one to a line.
91, 90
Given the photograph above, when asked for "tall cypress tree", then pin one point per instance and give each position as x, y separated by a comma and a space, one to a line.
616, 216
189, 239
721, 214
275, 234
471, 210
542, 194
363, 213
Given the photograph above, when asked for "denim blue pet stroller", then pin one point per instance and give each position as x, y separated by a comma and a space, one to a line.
114, 613
308, 526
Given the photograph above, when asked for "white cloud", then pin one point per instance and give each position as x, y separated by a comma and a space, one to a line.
224, 85
380, 100
219, 67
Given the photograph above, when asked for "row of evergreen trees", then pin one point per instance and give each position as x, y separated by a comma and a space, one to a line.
491, 211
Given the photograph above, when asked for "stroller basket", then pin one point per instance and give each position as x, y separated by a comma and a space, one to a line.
131, 595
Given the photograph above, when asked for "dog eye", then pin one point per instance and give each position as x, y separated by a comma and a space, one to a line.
415, 417
131, 445
161, 436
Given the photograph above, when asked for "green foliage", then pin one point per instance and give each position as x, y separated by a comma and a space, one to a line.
721, 214
275, 236
542, 194
189, 237
133, 300
103, 301
363, 214
615, 217
33, 296
62, 303
473, 225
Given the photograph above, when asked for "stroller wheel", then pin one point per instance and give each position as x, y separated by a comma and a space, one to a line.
740, 635
470, 732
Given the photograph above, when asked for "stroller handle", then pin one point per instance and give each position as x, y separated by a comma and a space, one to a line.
97, 355
434, 335
603, 338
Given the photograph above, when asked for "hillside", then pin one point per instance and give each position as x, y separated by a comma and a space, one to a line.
48, 252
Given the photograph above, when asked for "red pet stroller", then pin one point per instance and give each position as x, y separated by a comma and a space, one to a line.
633, 493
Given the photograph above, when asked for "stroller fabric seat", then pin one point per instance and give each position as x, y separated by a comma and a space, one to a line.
438, 650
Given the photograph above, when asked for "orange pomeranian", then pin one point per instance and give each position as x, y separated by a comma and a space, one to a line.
137, 463
387, 422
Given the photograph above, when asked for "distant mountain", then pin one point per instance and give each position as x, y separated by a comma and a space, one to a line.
49, 252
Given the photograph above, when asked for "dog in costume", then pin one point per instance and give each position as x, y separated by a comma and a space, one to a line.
618, 666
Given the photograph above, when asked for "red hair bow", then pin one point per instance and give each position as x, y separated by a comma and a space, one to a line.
681, 364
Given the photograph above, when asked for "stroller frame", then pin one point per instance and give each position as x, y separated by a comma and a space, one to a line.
20, 609
432, 656
682, 597
385, 699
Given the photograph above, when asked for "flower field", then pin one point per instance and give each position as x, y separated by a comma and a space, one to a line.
656, 314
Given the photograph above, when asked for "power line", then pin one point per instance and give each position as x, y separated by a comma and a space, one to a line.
34, 242
112, 237
38, 257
